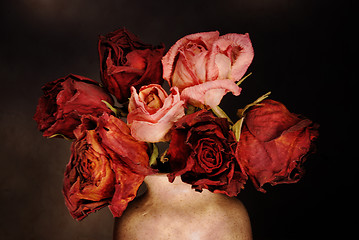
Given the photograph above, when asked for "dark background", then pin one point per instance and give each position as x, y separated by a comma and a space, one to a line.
304, 54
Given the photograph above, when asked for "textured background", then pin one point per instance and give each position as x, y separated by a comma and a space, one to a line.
302, 54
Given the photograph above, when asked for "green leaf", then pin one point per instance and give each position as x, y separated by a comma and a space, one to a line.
190, 109
241, 112
112, 108
220, 113
154, 155
237, 128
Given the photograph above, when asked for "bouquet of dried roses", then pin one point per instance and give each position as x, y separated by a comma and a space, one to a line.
116, 125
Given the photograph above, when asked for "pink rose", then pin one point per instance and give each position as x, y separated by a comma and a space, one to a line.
152, 112
205, 66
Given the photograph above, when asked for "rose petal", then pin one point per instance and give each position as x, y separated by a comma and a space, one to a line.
137, 102
158, 131
274, 144
125, 189
65, 100
125, 61
168, 60
209, 93
202, 153
236, 47
242, 53
269, 120
153, 125
115, 135
88, 179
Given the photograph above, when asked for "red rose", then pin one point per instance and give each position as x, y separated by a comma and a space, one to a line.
96, 176
65, 100
274, 144
202, 152
125, 61
123, 147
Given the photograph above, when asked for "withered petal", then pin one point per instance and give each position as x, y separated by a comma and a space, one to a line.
274, 144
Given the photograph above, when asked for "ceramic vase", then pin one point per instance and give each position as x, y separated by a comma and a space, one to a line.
176, 211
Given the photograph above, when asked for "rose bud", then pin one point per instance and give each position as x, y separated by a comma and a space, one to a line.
202, 152
274, 144
152, 112
65, 100
96, 176
125, 61
205, 66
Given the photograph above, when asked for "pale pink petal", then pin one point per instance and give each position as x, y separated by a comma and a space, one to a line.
190, 67
213, 97
157, 131
168, 61
224, 66
238, 48
219, 47
144, 90
184, 74
242, 56
154, 127
210, 93
141, 114
195, 55
137, 100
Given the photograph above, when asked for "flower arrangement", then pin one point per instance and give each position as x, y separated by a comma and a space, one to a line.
116, 125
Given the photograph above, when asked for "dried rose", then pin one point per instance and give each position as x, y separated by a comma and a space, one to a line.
125, 61
205, 66
96, 176
274, 144
65, 100
116, 136
152, 112
202, 152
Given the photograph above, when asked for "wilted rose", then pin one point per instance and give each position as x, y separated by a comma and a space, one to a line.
202, 152
65, 100
116, 136
152, 112
96, 176
125, 61
274, 144
205, 66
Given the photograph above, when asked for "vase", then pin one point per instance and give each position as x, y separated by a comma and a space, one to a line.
176, 211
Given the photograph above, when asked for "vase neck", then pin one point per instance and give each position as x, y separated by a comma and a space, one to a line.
160, 188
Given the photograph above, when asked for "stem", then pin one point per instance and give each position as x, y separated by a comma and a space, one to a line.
244, 78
